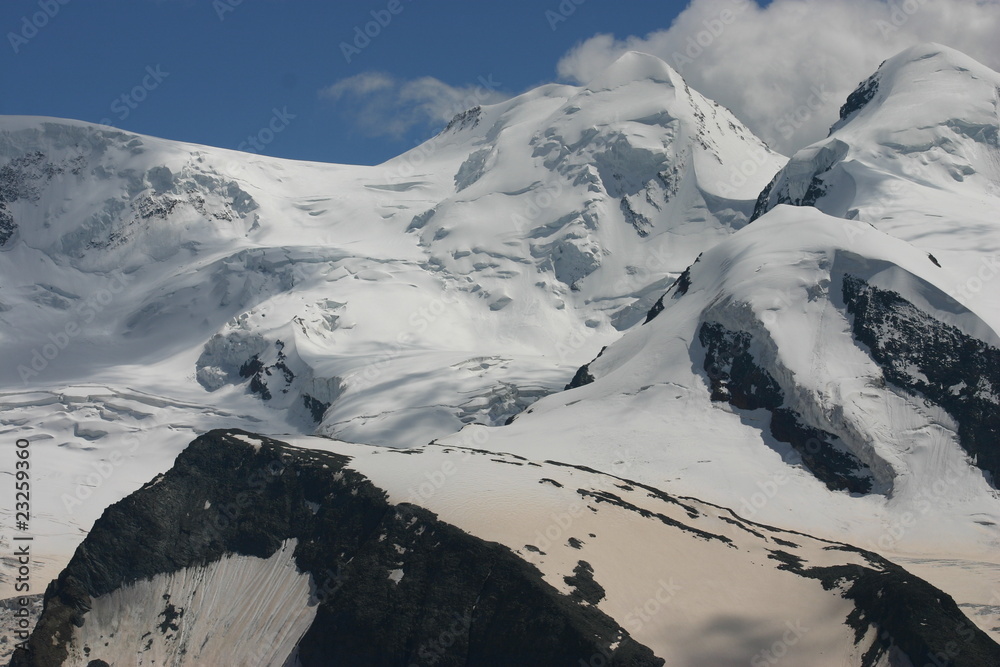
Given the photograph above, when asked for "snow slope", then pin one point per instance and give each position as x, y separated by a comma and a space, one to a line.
391, 305
830, 371
527, 229
751, 389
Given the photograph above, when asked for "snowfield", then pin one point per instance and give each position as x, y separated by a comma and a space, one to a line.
808, 344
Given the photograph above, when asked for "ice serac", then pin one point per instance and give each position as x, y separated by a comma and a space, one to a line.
308, 548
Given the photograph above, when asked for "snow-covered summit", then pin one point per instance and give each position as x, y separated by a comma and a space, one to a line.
932, 80
390, 305
635, 66
917, 154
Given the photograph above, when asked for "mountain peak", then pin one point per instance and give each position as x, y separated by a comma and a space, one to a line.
961, 85
933, 54
634, 66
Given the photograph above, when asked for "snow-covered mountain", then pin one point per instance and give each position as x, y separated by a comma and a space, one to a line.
524, 232
147, 281
810, 382
816, 370
917, 155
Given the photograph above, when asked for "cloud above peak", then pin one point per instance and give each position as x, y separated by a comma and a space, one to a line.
785, 69
382, 105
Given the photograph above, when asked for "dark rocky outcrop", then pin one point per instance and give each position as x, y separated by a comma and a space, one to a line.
18, 180
910, 615
763, 204
494, 607
737, 378
583, 375
765, 201
860, 98
640, 223
934, 360
678, 289
258, 373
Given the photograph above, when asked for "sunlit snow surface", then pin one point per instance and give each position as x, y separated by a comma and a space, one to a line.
460, 283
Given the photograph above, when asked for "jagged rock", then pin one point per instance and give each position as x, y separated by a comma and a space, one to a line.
237, 493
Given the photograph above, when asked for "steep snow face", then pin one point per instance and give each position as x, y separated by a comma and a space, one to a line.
239, 610
760, 371
916, 154
616, 188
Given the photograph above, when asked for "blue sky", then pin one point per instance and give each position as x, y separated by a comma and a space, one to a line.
217, 72
220, 79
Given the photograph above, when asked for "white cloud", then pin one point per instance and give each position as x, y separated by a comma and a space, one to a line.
383, 105
765, 63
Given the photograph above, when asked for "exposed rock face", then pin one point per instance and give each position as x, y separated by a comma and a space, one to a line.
914, 628
392, 585
678, 289
251, 551
738, 379
935, 360
269, 372
861, 96
20, 180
